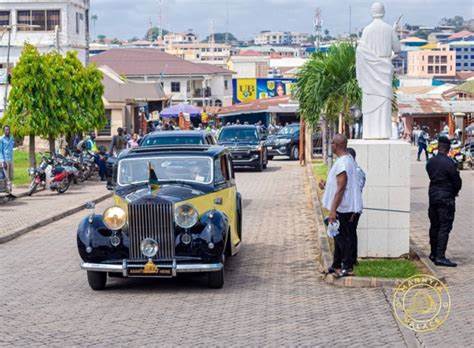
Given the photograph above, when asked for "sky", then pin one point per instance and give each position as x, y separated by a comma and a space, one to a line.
246, 18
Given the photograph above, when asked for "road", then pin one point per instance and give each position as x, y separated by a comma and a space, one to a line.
273, 294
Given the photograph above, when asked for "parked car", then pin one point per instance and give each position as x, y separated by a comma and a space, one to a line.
169, 138
285, 142
175, 210
246, 146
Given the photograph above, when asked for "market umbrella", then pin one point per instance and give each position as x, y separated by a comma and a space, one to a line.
175, 110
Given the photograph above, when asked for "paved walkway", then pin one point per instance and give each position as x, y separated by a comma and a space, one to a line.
273, 295
26, 211
457, 331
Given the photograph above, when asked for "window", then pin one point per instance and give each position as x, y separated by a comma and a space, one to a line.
107, 130
77, 23
472, 57
466, 49
430, 69
444, 59
437, 59
175, 87
42, 20
436, 69
430, 59
4, 17
466, 57
226, 84
458, 64
458, 57
444, 70
221, 173
458, 49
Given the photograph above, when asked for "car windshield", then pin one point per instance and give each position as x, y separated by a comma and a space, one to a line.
288, 130
236, 134
167, 168
173, 140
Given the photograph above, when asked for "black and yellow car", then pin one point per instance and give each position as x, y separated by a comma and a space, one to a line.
175, 210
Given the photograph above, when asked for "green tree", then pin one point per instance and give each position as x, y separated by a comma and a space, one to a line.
101, 38
457, 22
327, 86
153, 33
52, 95
221, 38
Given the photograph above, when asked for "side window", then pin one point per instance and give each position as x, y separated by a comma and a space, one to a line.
221, 170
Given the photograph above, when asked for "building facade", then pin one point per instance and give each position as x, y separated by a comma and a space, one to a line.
431, 63
281, 38
464, 54
47, 24
246, 66
201, 52
182, 81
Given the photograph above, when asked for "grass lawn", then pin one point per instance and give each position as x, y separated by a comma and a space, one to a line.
20, 167
386, 268
320, 170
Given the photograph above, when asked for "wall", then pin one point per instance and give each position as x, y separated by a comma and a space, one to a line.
418, 63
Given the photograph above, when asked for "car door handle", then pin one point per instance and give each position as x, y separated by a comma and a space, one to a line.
218, 200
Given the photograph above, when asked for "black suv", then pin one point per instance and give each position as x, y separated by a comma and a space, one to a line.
246, 146
171, 138
285, 143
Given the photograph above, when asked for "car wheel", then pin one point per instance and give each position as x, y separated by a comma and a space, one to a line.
295, 153
215, 280
97, 280
259, 166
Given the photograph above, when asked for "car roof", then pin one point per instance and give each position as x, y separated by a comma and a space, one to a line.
191, 150
247, 126
174, 133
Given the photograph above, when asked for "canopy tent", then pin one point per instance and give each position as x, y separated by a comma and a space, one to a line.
175, 110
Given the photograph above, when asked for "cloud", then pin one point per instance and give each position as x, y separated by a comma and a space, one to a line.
128, 18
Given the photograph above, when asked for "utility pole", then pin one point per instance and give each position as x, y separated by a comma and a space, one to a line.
350, 20
317, 28
7, 71
87, 31
56, 38
227, 22
160, 20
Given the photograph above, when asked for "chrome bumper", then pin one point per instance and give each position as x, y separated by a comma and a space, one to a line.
175, 267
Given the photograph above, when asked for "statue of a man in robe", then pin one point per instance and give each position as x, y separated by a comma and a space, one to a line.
375, 73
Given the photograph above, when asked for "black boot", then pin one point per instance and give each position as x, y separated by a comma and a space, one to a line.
444, 262
432, 257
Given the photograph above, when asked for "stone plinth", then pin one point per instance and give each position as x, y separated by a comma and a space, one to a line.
384, 227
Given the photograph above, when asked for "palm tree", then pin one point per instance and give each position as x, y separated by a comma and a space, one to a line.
327, 86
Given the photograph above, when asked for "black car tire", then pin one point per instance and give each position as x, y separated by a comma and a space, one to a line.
259, 166
294, 153
97, 280
215, 280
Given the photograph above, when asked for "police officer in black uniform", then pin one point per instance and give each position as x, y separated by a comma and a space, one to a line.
445, 184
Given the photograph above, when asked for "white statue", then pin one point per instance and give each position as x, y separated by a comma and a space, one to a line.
375, 72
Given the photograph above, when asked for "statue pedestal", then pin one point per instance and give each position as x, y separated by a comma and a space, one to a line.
384, 227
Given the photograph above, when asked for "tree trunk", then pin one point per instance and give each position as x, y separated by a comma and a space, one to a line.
52, 146
324, 139
32, 153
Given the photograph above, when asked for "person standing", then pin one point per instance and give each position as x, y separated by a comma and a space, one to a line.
133, 142
361, 178
422, 144
6, 154
119, 143
445, 184
343, 200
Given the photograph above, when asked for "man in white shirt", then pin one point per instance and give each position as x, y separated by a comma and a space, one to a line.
342, 197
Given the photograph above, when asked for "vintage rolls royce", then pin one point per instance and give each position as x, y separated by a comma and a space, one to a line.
175, 210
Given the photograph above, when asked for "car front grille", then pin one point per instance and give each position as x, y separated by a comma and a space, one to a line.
151, 220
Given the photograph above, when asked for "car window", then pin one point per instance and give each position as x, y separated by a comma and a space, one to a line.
289, 130
173, 140
241, 134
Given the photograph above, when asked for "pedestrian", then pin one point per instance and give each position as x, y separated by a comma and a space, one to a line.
6, 155
361, 178
343, 200
422, 144
445, 184
133, 142
119, 143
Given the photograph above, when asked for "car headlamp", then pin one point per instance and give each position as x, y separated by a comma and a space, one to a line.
186, 216
284, 141
149, 247
114, 218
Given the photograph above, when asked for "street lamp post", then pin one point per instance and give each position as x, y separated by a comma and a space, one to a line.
356, 113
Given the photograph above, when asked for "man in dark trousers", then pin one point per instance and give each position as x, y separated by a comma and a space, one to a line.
445, 184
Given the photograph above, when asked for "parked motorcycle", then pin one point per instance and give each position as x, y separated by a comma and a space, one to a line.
51, 171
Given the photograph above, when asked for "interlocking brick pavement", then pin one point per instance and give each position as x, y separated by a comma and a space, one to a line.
273, 295
26, 211
457, 330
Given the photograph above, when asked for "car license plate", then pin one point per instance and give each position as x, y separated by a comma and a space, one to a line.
150, 269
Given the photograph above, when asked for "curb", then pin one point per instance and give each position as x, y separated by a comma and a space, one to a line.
326, 254
19, 232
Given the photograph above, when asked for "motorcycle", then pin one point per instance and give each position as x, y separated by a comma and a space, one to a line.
51, 170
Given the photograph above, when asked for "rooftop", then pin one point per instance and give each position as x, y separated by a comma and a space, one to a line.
150, 61
461, 34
